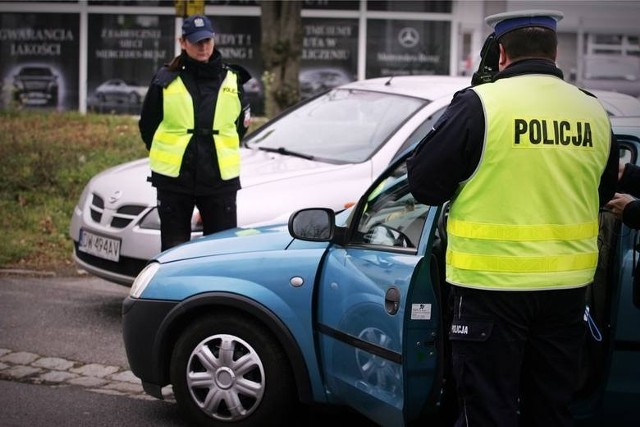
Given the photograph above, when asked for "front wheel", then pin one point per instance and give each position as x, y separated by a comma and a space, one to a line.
133, 98
229, 369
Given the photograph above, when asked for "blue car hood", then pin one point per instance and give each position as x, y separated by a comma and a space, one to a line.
237, 240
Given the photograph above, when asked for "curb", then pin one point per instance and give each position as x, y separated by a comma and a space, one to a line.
27, 367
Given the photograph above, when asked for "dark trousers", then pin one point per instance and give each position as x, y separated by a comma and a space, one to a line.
515, 355
218, 212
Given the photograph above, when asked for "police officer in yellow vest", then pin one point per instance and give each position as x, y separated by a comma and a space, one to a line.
526, 160
192, 120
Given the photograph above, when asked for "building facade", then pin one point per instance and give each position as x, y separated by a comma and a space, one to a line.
96, 55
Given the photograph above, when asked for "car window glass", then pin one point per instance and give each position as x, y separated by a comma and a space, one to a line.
340, 126
626, 152
392, 216
422, 130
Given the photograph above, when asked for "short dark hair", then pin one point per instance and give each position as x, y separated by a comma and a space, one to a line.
530, 42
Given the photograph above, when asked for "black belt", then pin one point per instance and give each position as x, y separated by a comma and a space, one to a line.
203, 132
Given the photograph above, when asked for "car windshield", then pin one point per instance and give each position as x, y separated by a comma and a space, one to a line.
340, 126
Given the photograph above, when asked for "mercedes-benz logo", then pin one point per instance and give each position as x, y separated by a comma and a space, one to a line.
408, 37
115, 196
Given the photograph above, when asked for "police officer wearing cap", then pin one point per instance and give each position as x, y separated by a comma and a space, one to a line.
192, 120
526, 161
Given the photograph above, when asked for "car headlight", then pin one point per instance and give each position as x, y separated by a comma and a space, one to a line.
83, 197
151, 220
143, 279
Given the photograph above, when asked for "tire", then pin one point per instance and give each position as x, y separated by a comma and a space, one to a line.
133, 98
213, 389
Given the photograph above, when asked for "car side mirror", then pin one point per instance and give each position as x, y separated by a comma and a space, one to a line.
312, 224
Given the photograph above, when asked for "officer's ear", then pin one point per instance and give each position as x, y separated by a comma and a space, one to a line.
503, 60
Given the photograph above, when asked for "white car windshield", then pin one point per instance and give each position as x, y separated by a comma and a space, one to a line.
340, 126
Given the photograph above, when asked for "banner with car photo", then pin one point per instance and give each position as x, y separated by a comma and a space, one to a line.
124, 53
40, 54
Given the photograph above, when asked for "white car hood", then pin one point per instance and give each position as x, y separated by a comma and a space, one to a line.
273, 185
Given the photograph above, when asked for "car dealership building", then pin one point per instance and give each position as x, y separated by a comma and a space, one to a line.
58, 53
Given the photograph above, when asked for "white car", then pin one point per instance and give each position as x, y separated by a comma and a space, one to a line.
323, 152
618, 104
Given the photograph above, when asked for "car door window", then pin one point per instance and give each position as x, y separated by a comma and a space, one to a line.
392, 217
422, 130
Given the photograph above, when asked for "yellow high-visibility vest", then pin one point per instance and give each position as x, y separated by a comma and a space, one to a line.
527, 218
174, 132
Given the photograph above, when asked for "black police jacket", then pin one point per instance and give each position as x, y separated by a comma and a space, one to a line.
199, 172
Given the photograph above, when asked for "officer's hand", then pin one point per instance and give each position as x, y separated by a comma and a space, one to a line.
619, 202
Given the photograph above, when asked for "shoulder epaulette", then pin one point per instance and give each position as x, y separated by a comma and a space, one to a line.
164, 76
242, 72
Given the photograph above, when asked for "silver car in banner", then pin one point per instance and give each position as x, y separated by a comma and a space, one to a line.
322, 152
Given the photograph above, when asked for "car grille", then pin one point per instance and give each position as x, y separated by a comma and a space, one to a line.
35, 85
122, 217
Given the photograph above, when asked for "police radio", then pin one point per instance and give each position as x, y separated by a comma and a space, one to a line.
489, 58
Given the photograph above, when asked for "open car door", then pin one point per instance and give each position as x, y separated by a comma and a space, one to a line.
378, 306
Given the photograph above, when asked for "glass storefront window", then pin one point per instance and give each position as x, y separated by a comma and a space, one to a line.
410, 6
238, 40
329, 54
40, 60
398, 47
124, 53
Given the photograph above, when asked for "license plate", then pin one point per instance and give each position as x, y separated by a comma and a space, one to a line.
100, 246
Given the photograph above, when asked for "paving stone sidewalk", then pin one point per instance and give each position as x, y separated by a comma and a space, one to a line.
22, 366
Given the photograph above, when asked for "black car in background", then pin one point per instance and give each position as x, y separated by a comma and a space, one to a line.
36, 85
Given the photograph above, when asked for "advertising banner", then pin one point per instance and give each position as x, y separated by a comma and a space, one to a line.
124, 53
40, 57
329, 54
238, 40
396, 47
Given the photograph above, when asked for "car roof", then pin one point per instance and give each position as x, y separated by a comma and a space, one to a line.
426, 87
626, 122
618, 104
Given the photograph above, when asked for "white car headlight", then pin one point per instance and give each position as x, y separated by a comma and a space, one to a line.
151, 220
83, 197
143, 279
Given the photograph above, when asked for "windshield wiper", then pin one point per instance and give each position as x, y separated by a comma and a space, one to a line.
284, 151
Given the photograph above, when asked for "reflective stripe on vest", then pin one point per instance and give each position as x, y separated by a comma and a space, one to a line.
226, 139
527, 219
173, 134
171, 138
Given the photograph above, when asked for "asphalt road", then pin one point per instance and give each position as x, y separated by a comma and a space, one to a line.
38, 405
75, 318
62, 360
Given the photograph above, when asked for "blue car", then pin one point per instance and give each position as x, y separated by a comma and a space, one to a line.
348, 309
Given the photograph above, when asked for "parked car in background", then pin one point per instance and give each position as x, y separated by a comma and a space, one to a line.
350, 309
325, 151
317, 80
36, 85
119, 90
254, 95
618, 73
